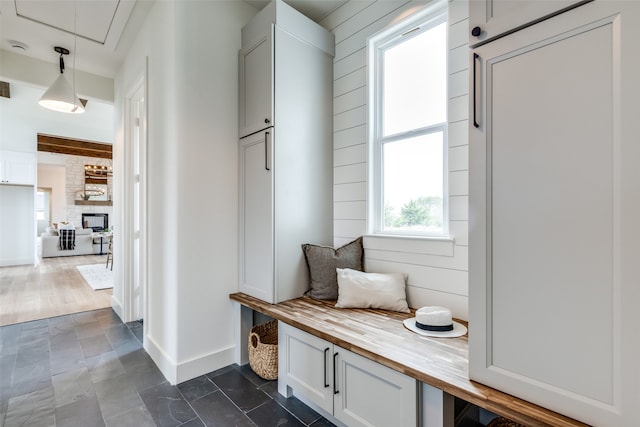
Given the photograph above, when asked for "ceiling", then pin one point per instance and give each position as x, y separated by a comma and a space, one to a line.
105, 28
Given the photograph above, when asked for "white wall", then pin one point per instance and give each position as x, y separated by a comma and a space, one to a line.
191, 48
438, 271
208, 40
155, 44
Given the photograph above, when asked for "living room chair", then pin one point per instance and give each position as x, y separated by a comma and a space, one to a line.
110, 252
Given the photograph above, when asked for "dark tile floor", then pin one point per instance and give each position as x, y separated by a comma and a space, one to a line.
89, 369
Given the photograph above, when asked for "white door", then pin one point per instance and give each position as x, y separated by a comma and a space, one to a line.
553, 214
137, 204
495, 17
256, 86
307, 366
256, 216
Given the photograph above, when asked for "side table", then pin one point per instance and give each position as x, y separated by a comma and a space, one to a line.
100, 236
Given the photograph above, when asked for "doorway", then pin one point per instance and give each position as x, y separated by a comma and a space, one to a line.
43, 210
135, 204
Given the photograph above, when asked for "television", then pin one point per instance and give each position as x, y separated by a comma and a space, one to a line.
95, 221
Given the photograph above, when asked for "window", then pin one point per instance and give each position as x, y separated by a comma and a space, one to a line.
408, 128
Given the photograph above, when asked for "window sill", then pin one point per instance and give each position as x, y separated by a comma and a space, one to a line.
430, 245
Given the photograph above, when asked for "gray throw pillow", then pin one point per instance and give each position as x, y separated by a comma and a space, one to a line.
323, 261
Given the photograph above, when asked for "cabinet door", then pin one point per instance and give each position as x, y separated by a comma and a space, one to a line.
550, 228
496, 17
256, 85
369, 394
256, 216
307, 366
17, 167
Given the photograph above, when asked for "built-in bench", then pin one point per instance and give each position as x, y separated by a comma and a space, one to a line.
380, 336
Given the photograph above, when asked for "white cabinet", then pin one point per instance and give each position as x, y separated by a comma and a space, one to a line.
256, 204
286, 174
256, 85
355, 390
17, 167
554, 208
306, 366
491, 18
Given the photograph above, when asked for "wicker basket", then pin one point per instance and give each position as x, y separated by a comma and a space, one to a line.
263, 350
503, 422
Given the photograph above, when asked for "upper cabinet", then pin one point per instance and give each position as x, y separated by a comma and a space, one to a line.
256, 84
489, 19
18, 168
273, 27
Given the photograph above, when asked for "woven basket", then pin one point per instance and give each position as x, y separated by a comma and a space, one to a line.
503, 422
263, 350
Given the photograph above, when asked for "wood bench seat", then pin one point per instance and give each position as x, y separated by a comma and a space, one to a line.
379, 335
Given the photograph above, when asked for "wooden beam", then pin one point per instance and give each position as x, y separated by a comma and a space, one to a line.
74, 147
5, 90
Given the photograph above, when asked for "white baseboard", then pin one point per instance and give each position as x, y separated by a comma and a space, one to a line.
10, 262
167, 366
204, 364
178, 373
116, 305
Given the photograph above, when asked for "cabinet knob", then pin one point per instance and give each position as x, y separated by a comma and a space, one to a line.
475, 32
267, 121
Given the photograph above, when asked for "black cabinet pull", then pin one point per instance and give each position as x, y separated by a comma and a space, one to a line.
326, 384
267, 166
475, 77
476, 31
267, 121
335, 370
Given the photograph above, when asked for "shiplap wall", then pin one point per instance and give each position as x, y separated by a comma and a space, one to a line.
438, 270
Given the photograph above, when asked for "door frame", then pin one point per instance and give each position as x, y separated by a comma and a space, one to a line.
138, 89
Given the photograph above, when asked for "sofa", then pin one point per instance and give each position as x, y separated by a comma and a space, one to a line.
84, 243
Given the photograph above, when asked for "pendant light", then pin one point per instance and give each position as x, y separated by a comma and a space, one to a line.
61, 96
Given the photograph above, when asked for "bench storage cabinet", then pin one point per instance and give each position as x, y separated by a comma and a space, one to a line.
354, 390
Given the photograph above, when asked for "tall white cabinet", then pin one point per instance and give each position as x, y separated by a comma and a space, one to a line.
554, 209
285, 125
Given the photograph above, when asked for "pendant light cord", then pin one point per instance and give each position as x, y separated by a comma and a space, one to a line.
75, 52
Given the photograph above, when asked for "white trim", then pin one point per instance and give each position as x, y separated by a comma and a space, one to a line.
137, 89
204, 364
166, 364
177, 373
427, 18
116, 305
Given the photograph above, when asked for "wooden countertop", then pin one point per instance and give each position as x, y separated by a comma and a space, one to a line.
380, 336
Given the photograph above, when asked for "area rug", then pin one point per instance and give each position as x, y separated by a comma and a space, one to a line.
97, 276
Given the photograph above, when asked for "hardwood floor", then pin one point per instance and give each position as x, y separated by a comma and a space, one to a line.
51, 288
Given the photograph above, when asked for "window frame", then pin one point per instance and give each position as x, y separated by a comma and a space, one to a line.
377, 44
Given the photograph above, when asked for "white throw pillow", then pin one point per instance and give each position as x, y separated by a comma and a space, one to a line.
357, 289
